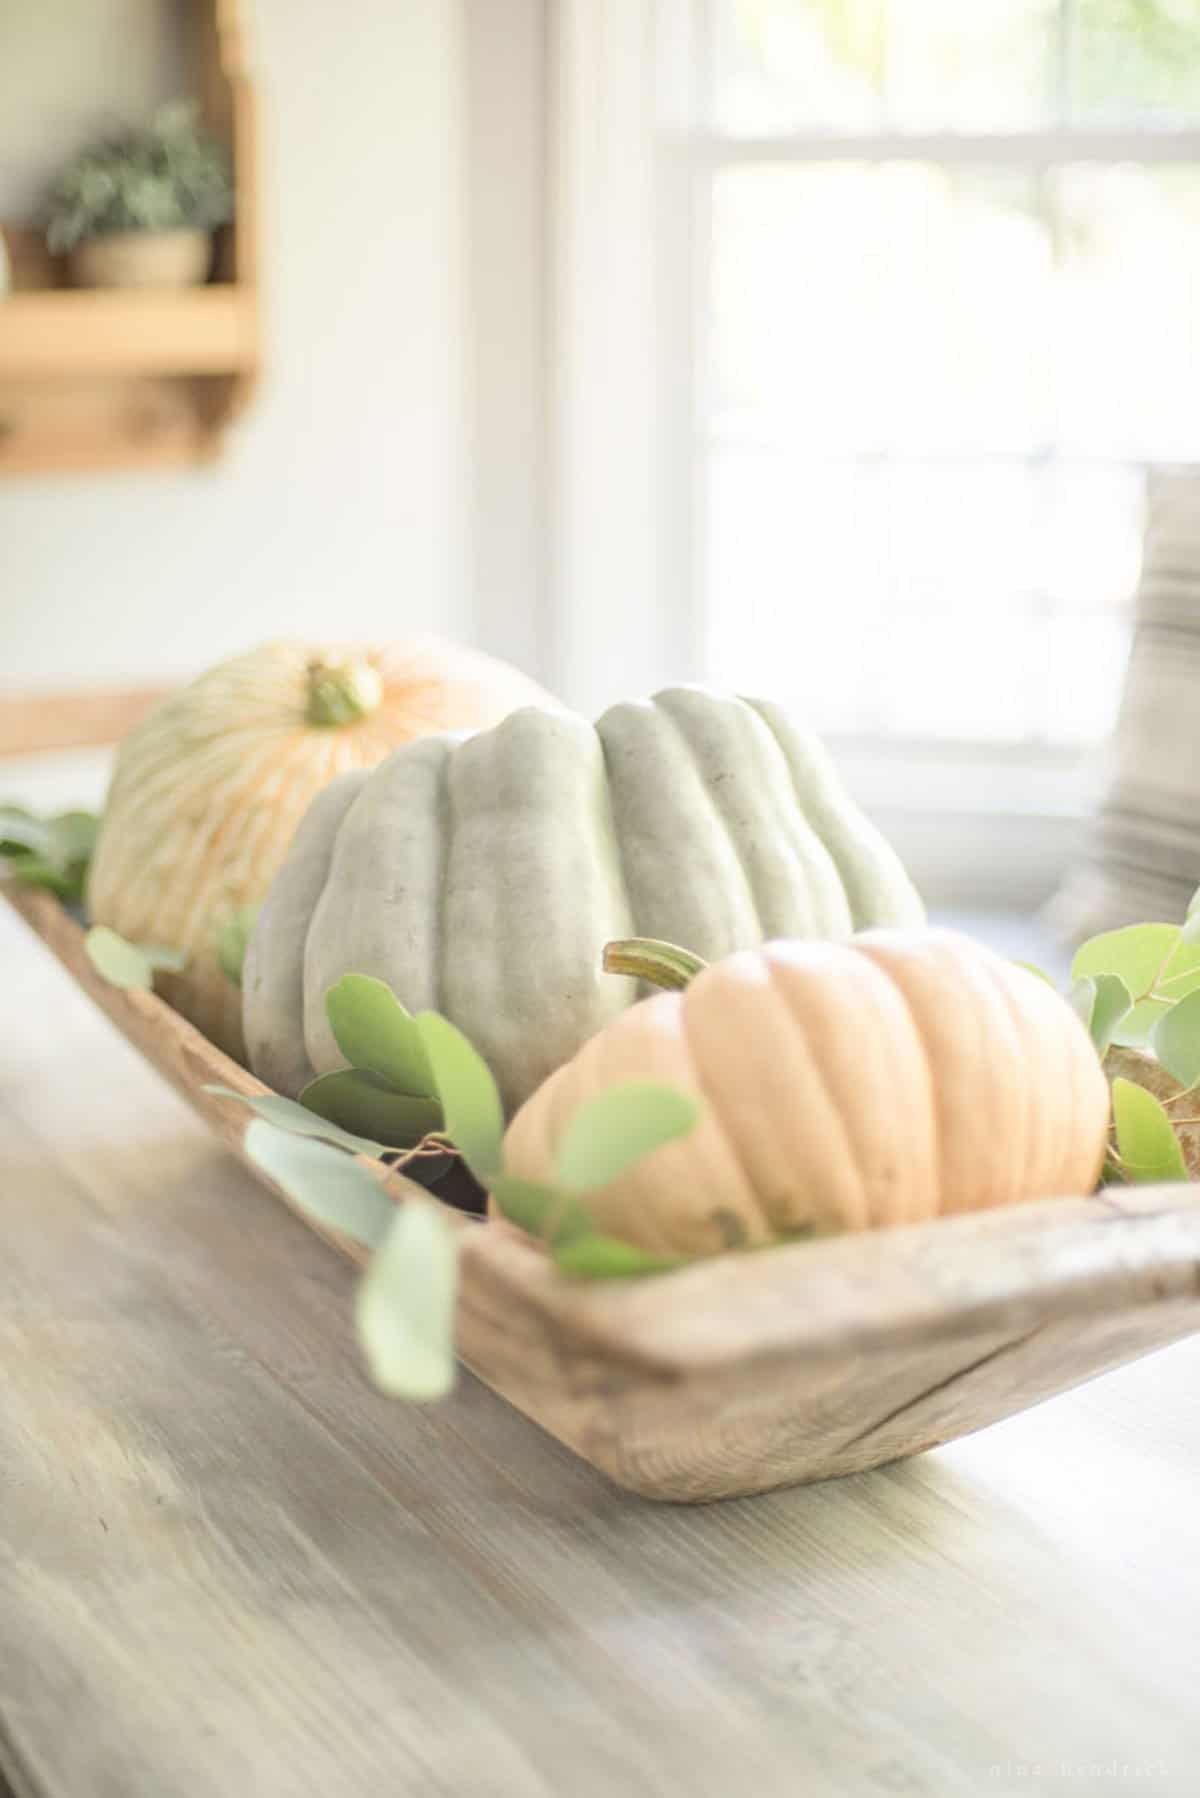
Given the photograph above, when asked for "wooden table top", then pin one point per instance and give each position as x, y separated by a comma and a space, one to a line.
229, 1569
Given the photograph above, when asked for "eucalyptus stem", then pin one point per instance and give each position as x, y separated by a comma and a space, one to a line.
431, 1145
646, 958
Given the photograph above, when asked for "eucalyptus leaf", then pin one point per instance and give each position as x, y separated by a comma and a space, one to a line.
1113, 1006
35, 871
610, 1132
472, 1112
1107, 1004
1031, 967
48, 852
1136, 1029
405, 1304
1176, 1040
375, 1032
1082, 1000
368, 1105
1138, 955
233, 940
1191, 925
1143, 956
286, 1114
1182, 973
1146, 1139
129, 964
21, 833
608, 1258
331, 1188
1181, 977
543, 1211
73, 837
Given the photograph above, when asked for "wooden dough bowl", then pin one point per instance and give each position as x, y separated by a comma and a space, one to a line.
749, 1372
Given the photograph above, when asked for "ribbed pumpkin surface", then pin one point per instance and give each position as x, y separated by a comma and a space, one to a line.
207, 791
898, 1077
482, 878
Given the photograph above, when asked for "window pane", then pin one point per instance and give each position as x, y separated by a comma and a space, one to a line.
1087, 659
961, 540
1134, 60
971, 65
786, 65
975, 676
935, 387
1127, 314
909, 585
865, 309
925, 65
908, 599
800, 330
968, 277
1092, 548
794, 551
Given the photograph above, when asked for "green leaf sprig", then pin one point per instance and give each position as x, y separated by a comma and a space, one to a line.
405, 1305
1157, 965
388, 1092
129, 964
603, 1139
1139, 988
52, 852
1146, 1141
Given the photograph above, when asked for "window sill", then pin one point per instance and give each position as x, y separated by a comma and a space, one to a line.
996, 828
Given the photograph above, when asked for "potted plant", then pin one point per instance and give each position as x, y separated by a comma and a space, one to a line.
138, 208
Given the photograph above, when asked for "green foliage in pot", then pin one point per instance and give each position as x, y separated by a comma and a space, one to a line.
165, 176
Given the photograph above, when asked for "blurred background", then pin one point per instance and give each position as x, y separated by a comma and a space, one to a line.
827, 349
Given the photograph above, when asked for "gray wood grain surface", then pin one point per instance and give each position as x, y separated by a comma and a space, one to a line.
228, 1567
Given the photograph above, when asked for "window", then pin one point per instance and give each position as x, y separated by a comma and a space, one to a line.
950, 309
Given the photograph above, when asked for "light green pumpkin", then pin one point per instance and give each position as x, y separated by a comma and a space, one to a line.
481, 876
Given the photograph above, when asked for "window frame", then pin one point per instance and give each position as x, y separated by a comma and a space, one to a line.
983, 825
1016, 810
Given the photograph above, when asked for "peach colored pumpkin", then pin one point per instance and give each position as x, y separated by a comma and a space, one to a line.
208, 790
897, 1077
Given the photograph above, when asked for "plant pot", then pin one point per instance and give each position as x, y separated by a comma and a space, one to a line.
142, 259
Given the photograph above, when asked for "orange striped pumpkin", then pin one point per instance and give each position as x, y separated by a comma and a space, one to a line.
209, 788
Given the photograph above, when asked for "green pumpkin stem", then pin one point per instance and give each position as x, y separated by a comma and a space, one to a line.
663, 964
341, 693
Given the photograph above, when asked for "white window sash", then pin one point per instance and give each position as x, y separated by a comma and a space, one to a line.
953, 149
589, 225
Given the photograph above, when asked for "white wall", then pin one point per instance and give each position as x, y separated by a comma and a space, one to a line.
69, 68
339, 506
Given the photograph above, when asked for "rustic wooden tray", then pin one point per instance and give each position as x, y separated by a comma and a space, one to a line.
748, 1372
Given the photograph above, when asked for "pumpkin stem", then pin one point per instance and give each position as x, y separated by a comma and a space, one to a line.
341, 693
646, 958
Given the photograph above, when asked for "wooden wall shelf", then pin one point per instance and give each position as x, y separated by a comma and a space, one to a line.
198, 331
107, 378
